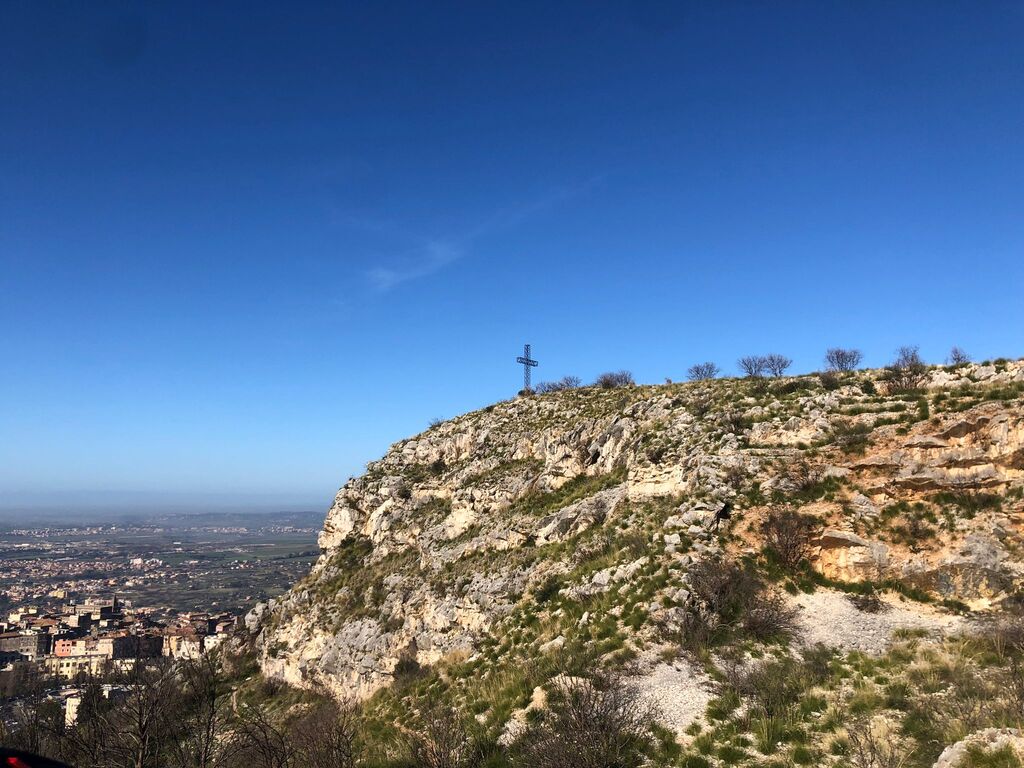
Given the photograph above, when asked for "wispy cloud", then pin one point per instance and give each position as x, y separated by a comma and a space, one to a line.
434, 254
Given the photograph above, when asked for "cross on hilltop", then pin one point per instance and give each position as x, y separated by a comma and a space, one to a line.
527, 362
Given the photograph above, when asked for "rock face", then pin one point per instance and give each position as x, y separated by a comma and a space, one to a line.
593, 492
982, 449
576, 518
845, 556
985, 742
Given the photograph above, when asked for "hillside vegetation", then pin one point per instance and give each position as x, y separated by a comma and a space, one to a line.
527, 581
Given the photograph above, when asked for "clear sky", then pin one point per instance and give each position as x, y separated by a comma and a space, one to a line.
244, 247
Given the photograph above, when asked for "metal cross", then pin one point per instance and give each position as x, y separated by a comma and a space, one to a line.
527, 362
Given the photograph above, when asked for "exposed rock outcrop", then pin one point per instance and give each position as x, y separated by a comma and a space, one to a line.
845, 556
605, 498
982, 743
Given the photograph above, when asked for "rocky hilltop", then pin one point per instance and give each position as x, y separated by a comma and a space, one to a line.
574, 520
425, 553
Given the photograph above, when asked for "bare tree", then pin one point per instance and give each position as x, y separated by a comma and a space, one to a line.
702, 371
728, 596
777, 364
260, 742
590, 723
909, 357
722, 587
838, 359
787, 535
614, 380
566, 382
957, 356
203, 716
445, 741
907, 372
142, 726
325, 737
133, 724
800, 476
36, 727
24, 680
769, 616
753, 366
88, 741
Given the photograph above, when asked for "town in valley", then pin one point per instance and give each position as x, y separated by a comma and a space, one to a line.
88, 599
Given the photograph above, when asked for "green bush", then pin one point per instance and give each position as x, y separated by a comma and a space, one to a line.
548, 589
850, 436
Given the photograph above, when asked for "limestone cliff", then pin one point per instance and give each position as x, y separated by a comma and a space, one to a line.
450, 545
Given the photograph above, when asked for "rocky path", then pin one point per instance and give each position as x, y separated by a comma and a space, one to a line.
828, 617
680, 691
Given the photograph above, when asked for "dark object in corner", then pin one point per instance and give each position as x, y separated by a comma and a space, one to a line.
13, 758
724, 513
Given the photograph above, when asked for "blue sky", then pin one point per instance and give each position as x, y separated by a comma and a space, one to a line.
247, 246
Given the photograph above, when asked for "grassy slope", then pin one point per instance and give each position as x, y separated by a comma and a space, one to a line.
924, 689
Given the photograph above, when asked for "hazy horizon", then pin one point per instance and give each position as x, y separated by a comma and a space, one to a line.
86, 503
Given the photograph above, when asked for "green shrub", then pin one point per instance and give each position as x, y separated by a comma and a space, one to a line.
969, 503
600, 721
978, 757
850, 436
923, 413
548, 589
792, 386
829, 380
695, 761
407, 669
803, 756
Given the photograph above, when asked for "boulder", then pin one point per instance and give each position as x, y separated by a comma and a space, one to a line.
578, 517
845, 556
863, 507
254, 618
976, 570
986, 742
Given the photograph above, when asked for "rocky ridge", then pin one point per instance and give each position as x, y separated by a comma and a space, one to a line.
575, 516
